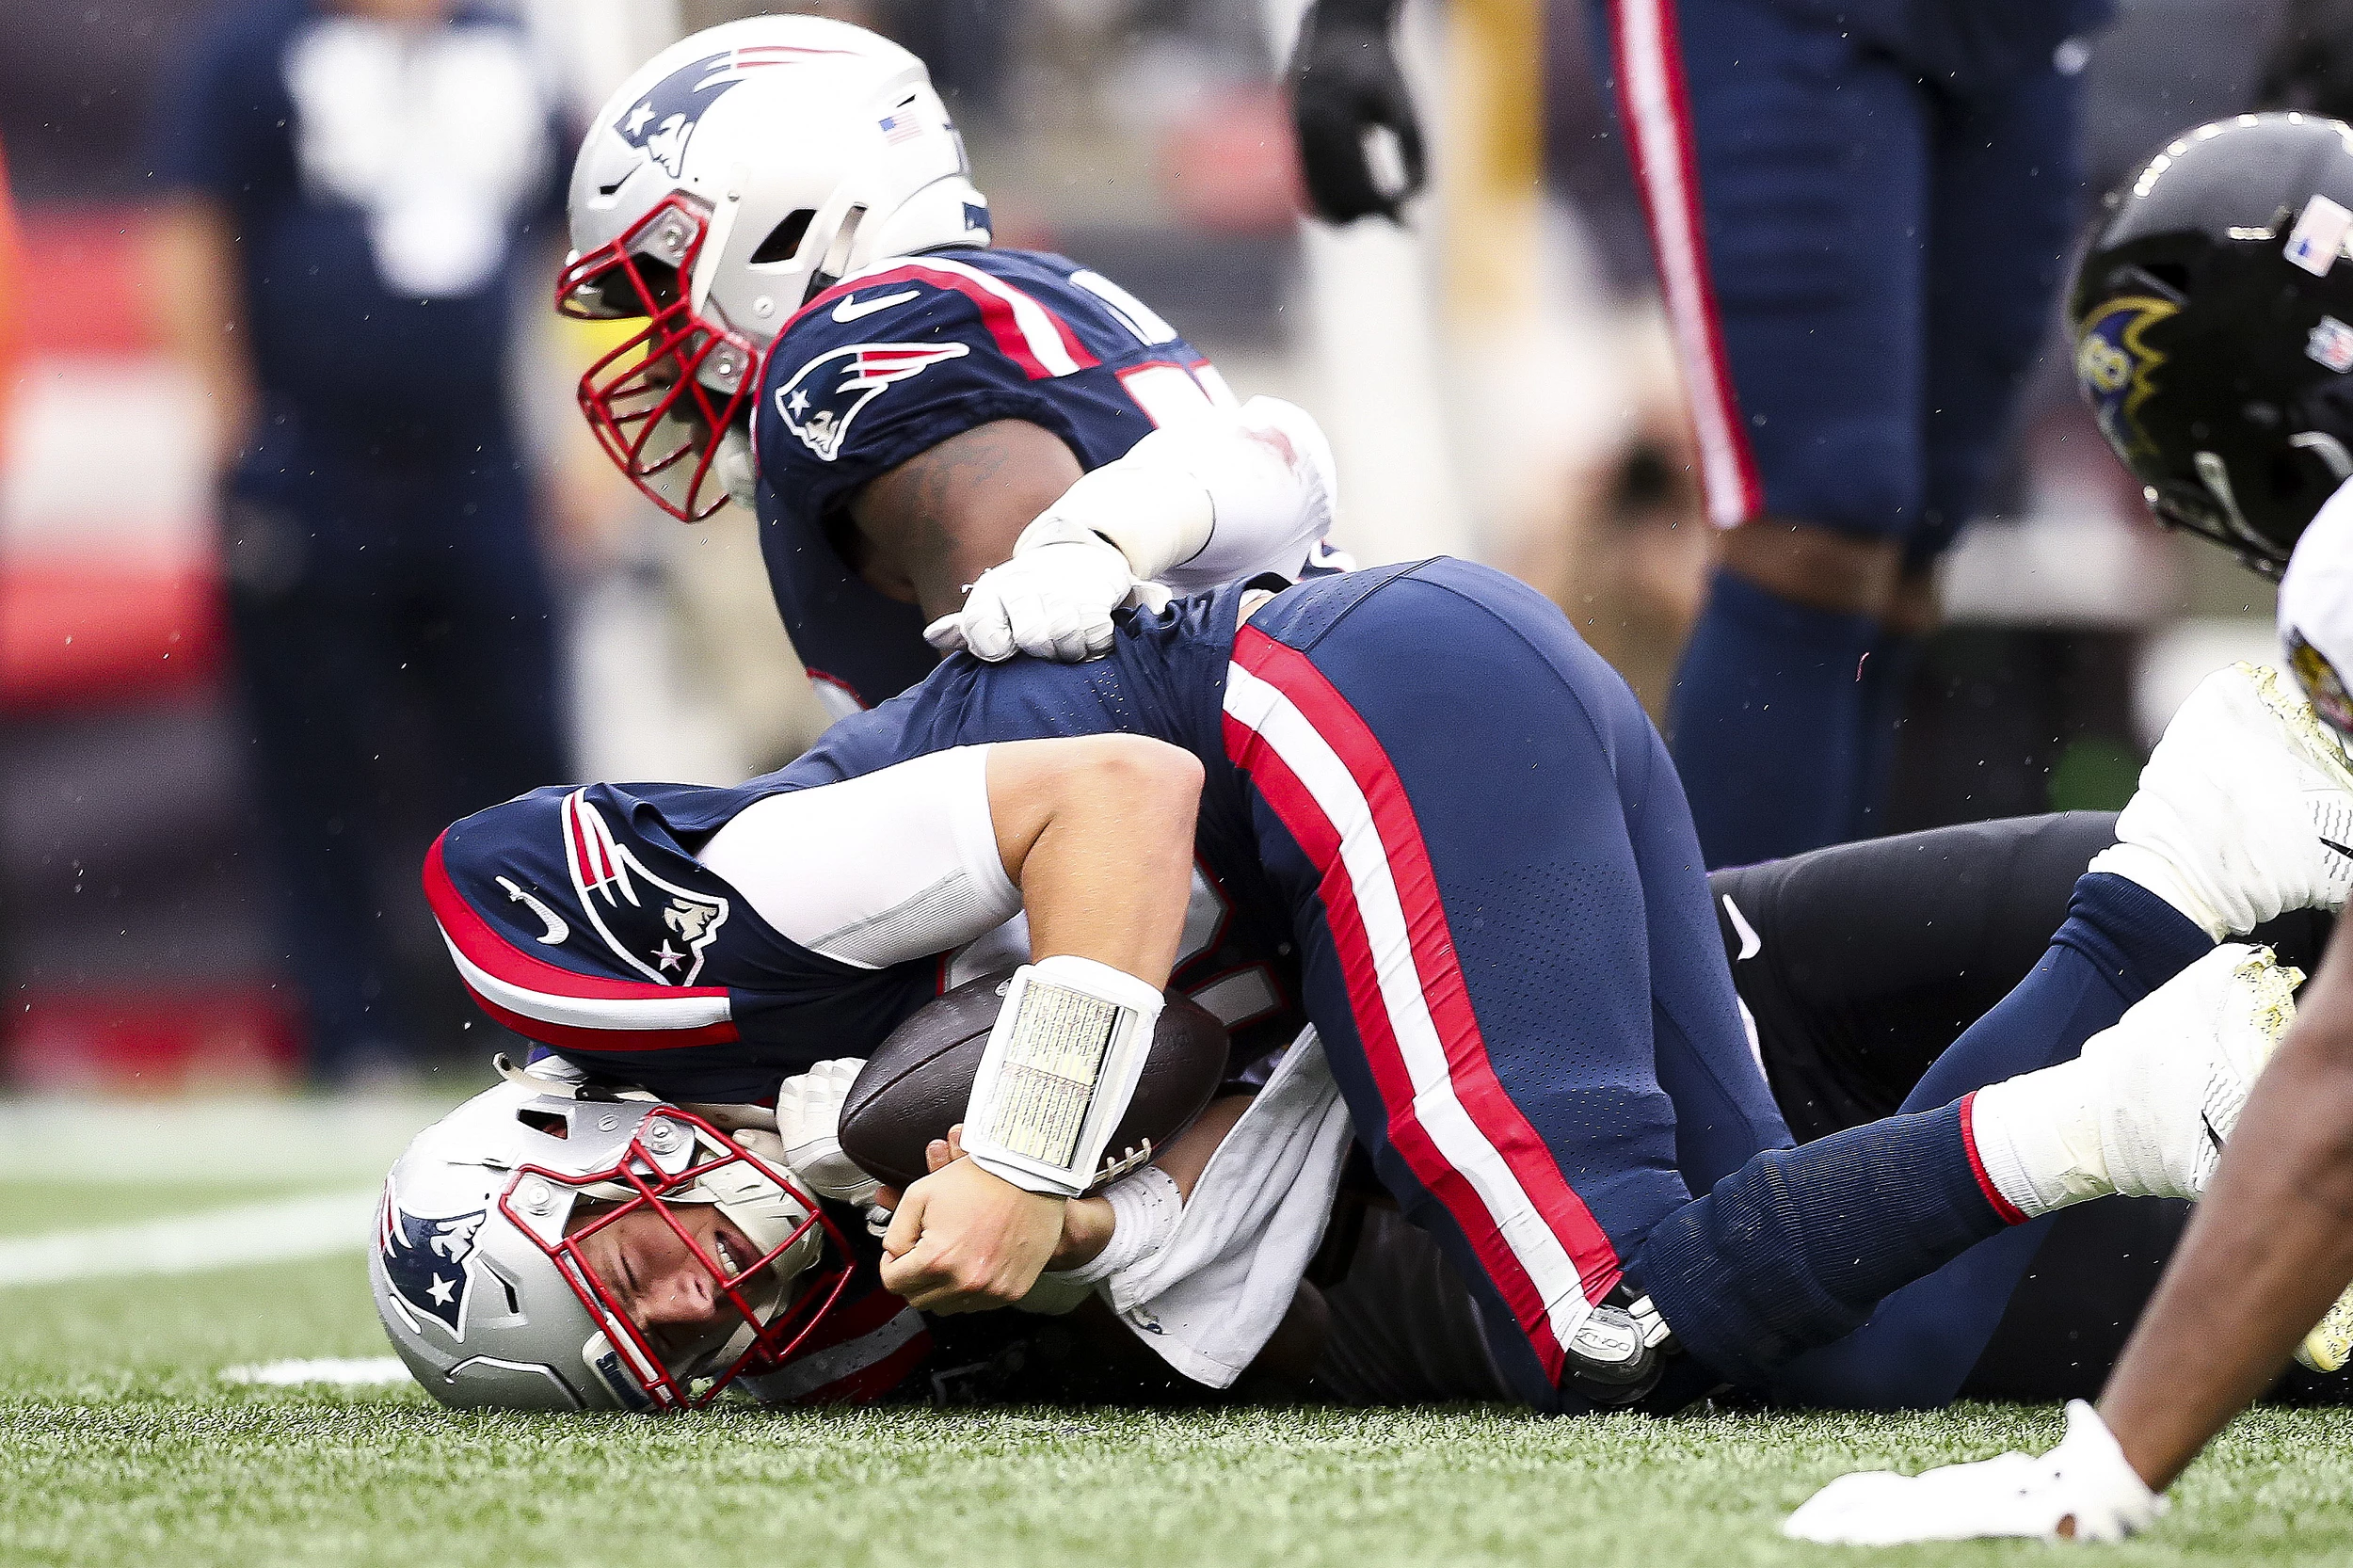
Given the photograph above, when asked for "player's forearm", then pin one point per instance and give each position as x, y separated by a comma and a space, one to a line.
1220, 496
191, 265
1088, 1224
1097, 834
2268, 1250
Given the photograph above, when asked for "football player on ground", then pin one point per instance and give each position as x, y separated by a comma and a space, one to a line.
831, 340
1494, 919
2210, 316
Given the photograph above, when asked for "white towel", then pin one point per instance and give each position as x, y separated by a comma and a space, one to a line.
1208, 1300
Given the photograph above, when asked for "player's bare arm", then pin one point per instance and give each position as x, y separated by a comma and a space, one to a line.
191, 254
928, 528
2265, 1253
1097, 834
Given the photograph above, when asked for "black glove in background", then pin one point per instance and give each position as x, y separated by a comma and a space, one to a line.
1344, 82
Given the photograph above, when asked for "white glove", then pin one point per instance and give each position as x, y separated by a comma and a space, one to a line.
2083, 1485
809, 1121
1053, 601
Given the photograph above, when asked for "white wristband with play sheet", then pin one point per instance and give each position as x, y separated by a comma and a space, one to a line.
1060, 1067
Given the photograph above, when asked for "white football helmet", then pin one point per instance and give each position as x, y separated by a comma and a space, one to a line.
737, 174
479, 1278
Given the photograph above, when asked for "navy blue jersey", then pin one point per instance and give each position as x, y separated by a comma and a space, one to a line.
580, 918
379, 179
898, 359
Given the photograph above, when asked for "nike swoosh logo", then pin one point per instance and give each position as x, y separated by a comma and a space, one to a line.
557, 931
852, 308
2341, 849
2211, 1136
1751, 943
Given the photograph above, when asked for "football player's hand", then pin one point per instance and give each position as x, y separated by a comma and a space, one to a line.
809, 1120
1053, 601
2083, 1489
1345, 85
964, 1241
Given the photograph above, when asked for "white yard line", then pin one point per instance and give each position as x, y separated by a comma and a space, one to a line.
356, 1373
274, 1232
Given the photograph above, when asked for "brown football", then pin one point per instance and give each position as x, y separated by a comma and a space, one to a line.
915, 1086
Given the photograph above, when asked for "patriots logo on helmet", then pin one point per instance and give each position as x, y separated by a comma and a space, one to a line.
658, 928
818, 404
2113, 364
663, 121
428, 1262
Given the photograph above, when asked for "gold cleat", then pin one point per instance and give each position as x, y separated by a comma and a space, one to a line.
2329, 1345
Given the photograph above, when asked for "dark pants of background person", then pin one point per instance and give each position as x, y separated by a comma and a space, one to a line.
1885, 192
371, 581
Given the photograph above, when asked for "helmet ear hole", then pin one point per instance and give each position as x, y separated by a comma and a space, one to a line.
545, 1121
784, 240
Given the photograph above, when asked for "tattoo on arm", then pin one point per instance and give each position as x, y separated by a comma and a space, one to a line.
937, 520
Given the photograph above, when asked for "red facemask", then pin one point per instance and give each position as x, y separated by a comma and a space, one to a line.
775, 1339
661, 400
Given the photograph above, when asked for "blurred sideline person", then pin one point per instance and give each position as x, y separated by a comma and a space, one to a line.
2210, 316
347, 189
1858, 215
831, 340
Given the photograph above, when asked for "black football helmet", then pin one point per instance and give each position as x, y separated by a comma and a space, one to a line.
2213, 324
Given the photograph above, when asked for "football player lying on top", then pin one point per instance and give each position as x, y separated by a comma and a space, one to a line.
1443, 826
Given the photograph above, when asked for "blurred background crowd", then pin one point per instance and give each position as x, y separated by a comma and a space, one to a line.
176, 851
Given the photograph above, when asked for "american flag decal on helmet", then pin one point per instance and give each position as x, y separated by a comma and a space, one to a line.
819, 402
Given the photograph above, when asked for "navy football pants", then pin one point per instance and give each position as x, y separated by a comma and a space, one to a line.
1508, 950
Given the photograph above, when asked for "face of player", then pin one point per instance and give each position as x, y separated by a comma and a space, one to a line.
659, 1283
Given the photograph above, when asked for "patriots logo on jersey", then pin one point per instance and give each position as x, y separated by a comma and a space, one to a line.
658, 928
661, 123
818, 404
428, 1262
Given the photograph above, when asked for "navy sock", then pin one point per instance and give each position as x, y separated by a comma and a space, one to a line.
1796, 1248
1763, 723
2120, 942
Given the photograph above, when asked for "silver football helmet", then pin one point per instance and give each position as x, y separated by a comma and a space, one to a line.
737, 174
481, 1282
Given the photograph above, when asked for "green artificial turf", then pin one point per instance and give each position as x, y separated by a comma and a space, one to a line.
120, 1444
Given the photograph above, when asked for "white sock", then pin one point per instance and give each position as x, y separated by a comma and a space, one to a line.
2038, 1137
2145, 868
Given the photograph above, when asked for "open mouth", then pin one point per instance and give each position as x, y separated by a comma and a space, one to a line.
727, 1256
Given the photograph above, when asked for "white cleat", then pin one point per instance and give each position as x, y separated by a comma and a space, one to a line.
2245, 809
2175, 1071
